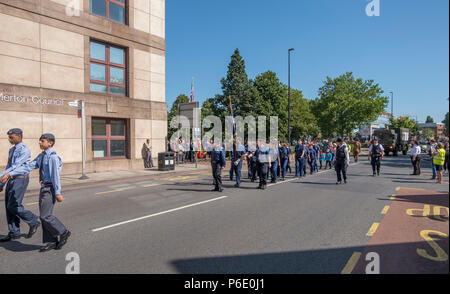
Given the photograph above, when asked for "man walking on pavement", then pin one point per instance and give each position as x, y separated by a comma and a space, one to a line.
356, 149
17, 176
299, 158
341, 161
218, 164
376, 153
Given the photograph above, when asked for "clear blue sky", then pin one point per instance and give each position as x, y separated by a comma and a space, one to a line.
405, 49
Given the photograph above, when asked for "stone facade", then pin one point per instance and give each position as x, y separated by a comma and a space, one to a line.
45, 63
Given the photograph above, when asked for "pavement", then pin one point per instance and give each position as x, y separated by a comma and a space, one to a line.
174, 223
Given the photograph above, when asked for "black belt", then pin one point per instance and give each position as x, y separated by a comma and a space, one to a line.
46, 185
19, 177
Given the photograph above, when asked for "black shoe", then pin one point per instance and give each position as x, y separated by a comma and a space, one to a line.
345, 181
63, 239
374, 175
48, 247
237, 186
9, 238
215, 189
273, 182
337, 183
282, 179
220, 190
33, 230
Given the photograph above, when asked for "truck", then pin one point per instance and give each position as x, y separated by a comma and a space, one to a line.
394, 140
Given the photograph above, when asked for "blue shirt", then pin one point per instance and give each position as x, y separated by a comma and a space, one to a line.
312, 154
284, 152
218, 155
51, 168
240, 150
299, 150
20, 157
262, 154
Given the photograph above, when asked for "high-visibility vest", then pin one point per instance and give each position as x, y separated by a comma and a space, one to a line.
439, 158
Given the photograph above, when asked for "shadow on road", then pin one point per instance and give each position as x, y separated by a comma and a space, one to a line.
394, 258
17, 246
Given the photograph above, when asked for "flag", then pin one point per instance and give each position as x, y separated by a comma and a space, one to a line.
191, 98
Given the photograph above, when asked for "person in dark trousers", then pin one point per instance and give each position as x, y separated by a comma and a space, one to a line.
341, 161
312, 159
16, 175
148, 154
236, 162
55, 234
284, 159
376, 153
274, 155
217, 164
251, 161
263, 162
299, 158
416, 158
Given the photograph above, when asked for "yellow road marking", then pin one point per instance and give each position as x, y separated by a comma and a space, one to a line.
372, 229
397, 189
111, 191
32, 203
351, 263
393, 197
385, 209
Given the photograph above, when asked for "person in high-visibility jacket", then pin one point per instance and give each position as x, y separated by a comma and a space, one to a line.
439, 160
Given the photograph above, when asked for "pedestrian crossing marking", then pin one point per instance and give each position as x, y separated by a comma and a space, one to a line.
351, 263
385, 209
372, 229
106, 192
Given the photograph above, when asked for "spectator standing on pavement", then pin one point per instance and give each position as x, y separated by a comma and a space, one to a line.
328, 158
416, 157
148, 153
376, 153
356, 149
439, 161
431, 151
341, 161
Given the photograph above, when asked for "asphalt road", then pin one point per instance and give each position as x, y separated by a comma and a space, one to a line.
177, 225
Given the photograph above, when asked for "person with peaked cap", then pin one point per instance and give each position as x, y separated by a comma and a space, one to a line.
263, 161
17, 177
55, 234
341, 160
376, 153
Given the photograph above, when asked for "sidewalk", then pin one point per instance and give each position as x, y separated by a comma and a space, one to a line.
72, 182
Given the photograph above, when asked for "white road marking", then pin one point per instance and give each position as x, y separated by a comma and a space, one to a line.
156, 214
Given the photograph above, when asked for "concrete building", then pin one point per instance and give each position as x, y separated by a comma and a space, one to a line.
111, 53
437, 128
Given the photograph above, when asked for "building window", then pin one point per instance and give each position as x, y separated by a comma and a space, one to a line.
112, 9
107, 69
109, 138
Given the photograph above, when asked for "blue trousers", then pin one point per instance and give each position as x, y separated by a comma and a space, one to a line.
15, 191
313, 166
284, 163
299, 166
236, 169
273, 170
433, 168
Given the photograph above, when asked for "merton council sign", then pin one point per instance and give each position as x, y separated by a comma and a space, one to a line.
12, 98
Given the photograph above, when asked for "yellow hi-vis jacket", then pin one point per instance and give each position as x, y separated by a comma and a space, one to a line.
439, 158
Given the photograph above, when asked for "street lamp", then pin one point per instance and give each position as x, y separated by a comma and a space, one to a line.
392, 104
289, 94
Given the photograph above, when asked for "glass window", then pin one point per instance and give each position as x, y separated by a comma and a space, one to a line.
116, 55
116, 12
117, 128
99, 127
100, 148
98, 72
98, 88
97, 51
117, 148
117, 90
116, 75
98, 7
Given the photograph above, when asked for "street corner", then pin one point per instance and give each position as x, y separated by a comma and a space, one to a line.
412, 237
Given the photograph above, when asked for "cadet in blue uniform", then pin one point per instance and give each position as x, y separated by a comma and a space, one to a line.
342, 161
274, 162
16, 174
252, 167
217, 164
312, 159
263, 161
236, 162
284, 159
299, 158
49, 164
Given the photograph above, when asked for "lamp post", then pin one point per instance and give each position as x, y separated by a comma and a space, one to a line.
392, 104
289, 94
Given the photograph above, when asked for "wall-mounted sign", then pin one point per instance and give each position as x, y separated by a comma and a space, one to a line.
5, 98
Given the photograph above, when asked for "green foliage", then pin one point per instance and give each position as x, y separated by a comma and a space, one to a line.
428, 134
446, 122
429, 120
405, 122
344, 103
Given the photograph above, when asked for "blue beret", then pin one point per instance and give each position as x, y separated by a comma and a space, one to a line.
49, 137
15, 131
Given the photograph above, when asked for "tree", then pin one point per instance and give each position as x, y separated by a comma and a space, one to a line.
405, 122
429, 120
344, 103
303, 121
446, 122
174, 112
428, 134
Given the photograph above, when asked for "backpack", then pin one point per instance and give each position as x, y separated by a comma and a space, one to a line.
340, 153
376, 151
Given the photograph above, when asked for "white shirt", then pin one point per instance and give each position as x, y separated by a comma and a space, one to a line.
381, 148
416, 150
